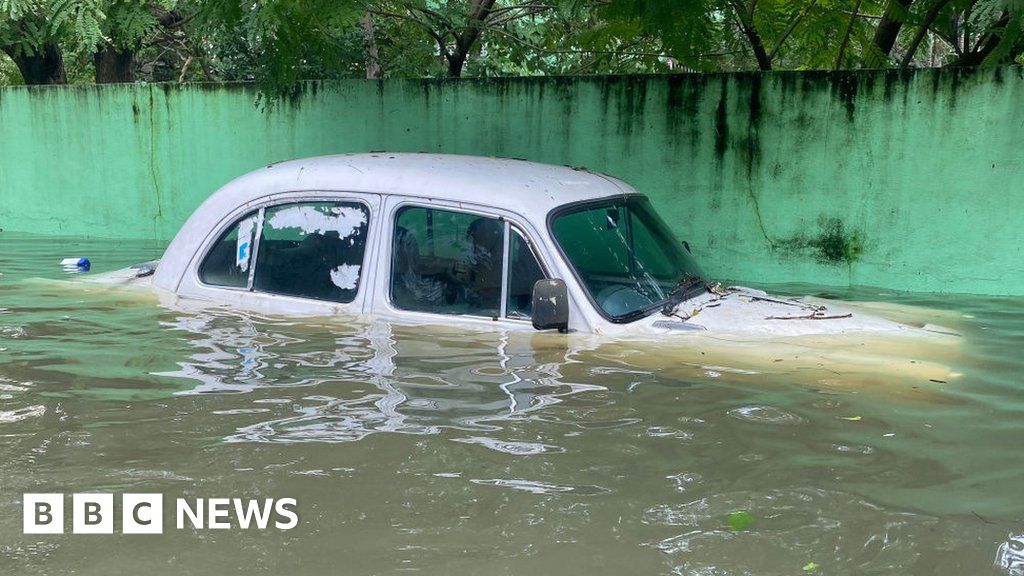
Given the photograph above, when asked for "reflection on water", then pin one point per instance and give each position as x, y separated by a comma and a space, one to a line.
442, 451
365, 379
1010, 556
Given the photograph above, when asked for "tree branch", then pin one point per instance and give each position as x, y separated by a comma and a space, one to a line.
746, 23
426, 27
543, 50
889, 26
846, 35
503, 9
514, 17
987, 43
789, 29
929, 19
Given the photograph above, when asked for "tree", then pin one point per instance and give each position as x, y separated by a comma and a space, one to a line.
42, 36
977, 32
35, 34
458, 26
278, 43
128, 27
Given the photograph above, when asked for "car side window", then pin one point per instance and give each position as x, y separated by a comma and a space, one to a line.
523, 272
312, 250
228, 261
447, 262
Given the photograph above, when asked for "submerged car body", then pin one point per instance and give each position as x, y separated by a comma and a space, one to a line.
458, 240
441, 238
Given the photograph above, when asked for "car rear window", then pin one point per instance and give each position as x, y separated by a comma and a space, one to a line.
228, 261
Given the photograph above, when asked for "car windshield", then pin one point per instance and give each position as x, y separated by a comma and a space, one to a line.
625, 255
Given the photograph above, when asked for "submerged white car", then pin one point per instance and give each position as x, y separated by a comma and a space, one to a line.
440, 239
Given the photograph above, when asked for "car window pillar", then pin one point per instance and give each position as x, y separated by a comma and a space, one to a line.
506, 251
258, 233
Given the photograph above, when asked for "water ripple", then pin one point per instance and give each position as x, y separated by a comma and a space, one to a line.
511, 447
765, 415
17, 415
668, 432
789, 528
536, 487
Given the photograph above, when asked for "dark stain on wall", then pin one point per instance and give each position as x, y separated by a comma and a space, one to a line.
755, 99
631, 92
936, 84
685, 93
958, 77
676, 102
845, 87
722, 122
788, 82
893, 77
749, 141
831, 244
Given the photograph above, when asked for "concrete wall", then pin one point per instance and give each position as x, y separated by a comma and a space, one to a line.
909, 181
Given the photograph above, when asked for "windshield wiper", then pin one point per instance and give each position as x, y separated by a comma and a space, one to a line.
686, 288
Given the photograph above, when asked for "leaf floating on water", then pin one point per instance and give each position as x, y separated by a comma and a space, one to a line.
739, 520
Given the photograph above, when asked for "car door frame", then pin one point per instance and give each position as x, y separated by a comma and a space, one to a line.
380, 303
269, 303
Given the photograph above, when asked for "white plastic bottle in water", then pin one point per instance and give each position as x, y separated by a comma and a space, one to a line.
76, 264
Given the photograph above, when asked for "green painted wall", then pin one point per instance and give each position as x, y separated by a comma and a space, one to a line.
909, 181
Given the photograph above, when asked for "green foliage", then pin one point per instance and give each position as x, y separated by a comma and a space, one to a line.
278, 43
27, 25
1005, 20
9, 73
129, 23
281, 42
685, 29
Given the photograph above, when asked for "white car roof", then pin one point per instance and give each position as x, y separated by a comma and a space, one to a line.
514, 185
526, 188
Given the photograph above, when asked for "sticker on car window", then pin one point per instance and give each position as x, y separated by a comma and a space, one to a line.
346, 276
244, 243
320, 220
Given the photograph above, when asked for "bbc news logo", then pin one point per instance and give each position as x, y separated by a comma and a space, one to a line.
144, 513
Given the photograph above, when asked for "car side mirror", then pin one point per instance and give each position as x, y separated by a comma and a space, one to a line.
550, 305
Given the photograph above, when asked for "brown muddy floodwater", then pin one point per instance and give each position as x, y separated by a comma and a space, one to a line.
438, 451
